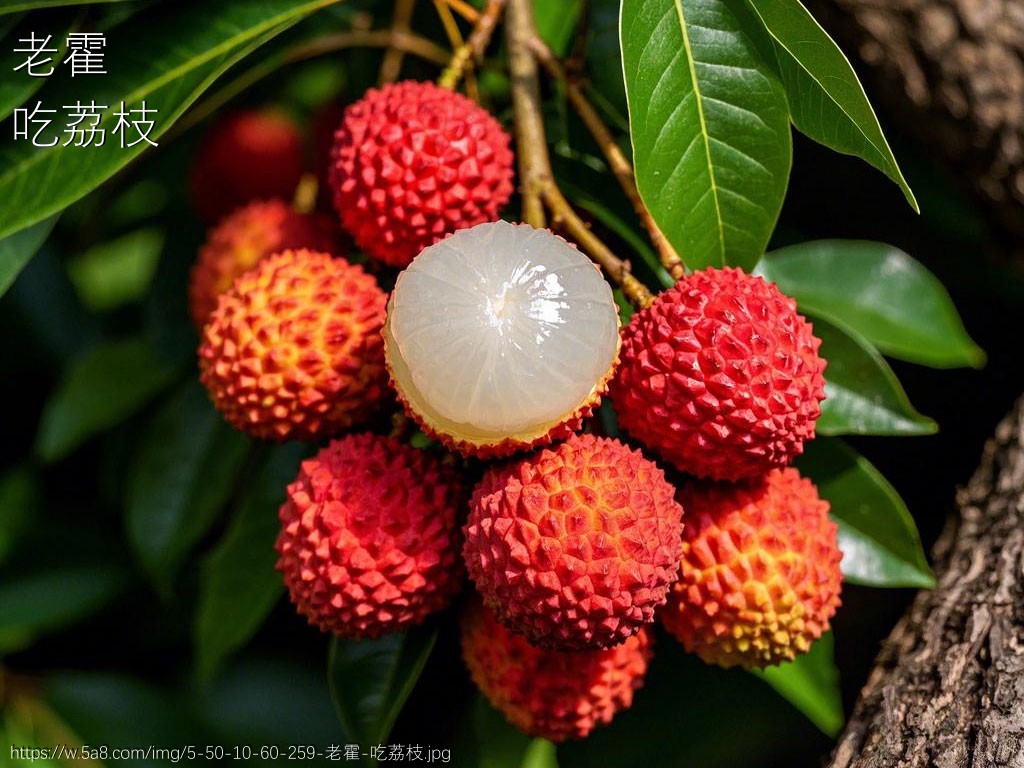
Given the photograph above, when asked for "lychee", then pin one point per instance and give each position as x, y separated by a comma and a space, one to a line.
760, 576
244, 238
501, 337
250, 155
574, 546
369, 537
556, 695
413, 162
293, 349
720, 376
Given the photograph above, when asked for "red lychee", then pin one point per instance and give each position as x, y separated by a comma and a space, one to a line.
293, 349
574, 546
369, 537
556, 695
760, 575
255, 154
413, 162
720, 376
243, 239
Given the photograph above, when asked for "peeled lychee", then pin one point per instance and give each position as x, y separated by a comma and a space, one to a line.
720, 376
369, 538
501, 337
251, 155
293, 349
575, 546
243, 239
760, 576
413, 162
556, 695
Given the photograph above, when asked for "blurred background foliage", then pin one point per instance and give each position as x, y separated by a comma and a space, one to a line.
132, 520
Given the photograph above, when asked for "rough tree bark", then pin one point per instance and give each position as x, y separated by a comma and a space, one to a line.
947, 690
952, 72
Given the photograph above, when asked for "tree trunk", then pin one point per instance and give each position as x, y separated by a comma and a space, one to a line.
948, 687
952, 71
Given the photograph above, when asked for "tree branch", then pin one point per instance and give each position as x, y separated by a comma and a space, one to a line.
391, 67
536, 179
476, 44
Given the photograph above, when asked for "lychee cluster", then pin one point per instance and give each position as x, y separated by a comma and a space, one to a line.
499, 341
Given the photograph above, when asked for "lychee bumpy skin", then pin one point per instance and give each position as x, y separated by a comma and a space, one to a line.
293, 349
244, 238
720, 376
556, 695
255, 154
413, 162
369, 538
574, 546
500, 338
760, 576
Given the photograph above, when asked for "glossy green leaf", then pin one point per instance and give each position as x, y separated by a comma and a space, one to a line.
17, 6
239, 585
46, 600
162, 67
878, 537
184, 473
556, 22
889, 298
499, 744
371, 679
709, 124
16, 86
18, 249
826, 99
99, 390
811, 684
862, 394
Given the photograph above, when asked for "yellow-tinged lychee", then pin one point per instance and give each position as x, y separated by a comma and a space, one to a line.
760, 576
293, 349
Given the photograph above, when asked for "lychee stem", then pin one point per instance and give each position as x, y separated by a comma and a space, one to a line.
464, 9
537, 182
475, 45
401, 22
617, 161
451, 28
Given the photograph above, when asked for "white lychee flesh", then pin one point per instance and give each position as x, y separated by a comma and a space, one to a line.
500, 331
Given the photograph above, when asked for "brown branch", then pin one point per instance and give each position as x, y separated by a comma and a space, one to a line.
536, 178
464, 9
391, 67
619, 164
475, 45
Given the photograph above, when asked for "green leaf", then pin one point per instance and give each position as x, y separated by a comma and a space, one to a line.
890, 299
18, 249
46, 600
880, 543
827, 101
99, 390
239, 585
371, 679
117, 271
556, 22
17, 6
17, 86
811, 684
161, 67
862, 394
499, 744
709, 124
186, 468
